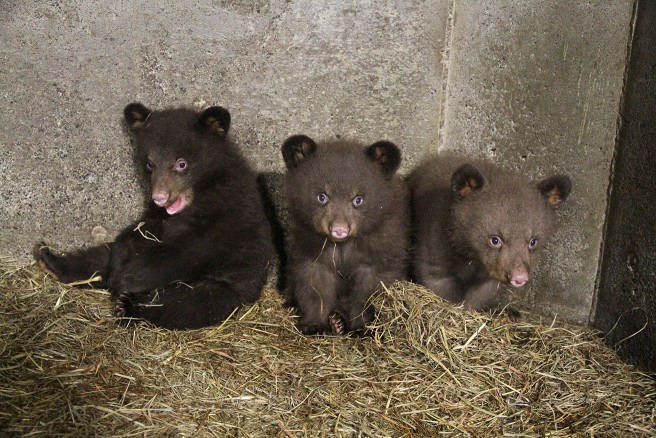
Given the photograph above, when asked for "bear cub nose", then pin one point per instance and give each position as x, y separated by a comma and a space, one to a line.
339, 231
160, 198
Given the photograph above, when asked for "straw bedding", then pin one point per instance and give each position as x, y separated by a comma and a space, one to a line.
67, 368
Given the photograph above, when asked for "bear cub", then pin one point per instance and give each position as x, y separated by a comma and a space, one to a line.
477, 226
203, 245
349, 230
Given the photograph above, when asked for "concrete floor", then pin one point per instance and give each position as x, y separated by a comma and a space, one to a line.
533, 84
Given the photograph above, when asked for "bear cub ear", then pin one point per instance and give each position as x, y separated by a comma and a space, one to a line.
217, 119
555, 189
385, 153
296, 149
466, 180
136, 115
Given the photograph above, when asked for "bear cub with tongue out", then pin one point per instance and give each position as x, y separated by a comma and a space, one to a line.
477, 228
203, 245
349, 230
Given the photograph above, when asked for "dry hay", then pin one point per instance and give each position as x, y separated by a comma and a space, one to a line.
67, 368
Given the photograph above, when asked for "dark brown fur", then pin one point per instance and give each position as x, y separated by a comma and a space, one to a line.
478, 226
202, 247
340, 252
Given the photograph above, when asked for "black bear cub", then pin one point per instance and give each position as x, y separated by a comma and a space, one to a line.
349, 230
476, 225
203, 245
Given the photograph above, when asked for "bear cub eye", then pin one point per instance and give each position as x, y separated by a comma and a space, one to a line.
322, 198
357, 201
533, 243
495, 242
149, 165
181, 165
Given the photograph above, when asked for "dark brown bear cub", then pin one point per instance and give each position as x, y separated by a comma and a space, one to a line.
203, 245
476, 225
350, 230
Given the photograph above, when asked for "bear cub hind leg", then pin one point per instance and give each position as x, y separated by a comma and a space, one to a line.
74, 267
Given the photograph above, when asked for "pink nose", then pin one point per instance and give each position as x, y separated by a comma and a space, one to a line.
339, 231
518, 279
160, 198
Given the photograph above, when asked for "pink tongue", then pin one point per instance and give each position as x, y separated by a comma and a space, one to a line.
176, 206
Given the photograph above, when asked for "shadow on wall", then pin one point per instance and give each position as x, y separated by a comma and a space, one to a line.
626, 300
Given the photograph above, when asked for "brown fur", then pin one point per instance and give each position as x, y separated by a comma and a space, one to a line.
458, 211
332, 276
203, 245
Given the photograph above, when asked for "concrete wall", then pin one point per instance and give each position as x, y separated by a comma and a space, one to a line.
626, 302
534, 84
537, 85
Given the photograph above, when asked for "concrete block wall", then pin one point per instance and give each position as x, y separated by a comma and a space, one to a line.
535, 85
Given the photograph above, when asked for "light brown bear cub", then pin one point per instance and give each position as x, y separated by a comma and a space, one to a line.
476, 225
349, 230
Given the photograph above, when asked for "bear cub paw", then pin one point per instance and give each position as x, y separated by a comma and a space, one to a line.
511, 313
337, 324
43, 256
122, 305
316, 330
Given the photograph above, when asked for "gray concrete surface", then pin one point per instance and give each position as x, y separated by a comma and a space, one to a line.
626, 303
68, 68
535, 84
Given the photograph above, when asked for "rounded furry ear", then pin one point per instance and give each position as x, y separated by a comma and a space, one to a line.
385, 153
466, 180
555, 189
136, 115
217, 119
296, 149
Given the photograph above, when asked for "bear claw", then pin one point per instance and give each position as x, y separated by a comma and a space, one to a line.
122, 302
337, 324
315, 330
513, 314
